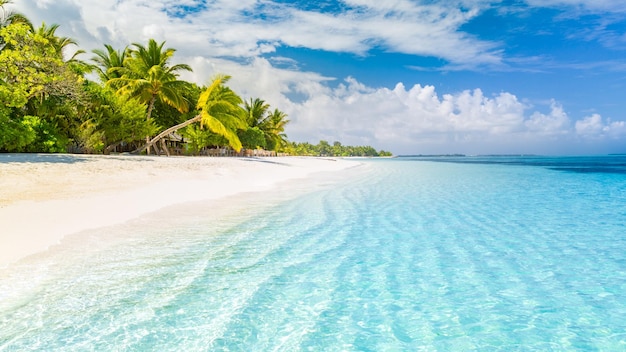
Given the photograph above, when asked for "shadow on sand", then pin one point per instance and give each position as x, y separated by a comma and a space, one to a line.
41, 158
264, 160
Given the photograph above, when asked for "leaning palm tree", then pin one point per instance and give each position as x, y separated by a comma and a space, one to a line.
147, 75
220, 112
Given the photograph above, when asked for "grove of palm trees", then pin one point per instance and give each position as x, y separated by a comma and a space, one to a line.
138, 104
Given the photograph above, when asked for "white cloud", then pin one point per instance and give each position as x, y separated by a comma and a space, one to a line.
601, 27
225, 28
582, 5
553, 124
405, 120
594, 127
418, 120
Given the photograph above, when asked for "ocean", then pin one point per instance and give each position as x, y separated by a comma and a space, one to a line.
493, 253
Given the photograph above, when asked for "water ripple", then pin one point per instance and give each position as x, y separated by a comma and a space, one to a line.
410, 255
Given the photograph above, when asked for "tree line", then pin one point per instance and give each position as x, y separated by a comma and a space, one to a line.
139, 101
323, 148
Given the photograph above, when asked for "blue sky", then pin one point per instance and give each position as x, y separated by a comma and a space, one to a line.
413, 77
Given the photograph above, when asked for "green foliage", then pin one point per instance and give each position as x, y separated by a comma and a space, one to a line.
111, 119
39, 89
147, 75
196, 138
221, 112
109, 64
46, 105
256, 112
305, 149
31, 69
252, 138
8, 17
16, 133
272, 124
25, 63
59, 44
275, 130
48, 137
165, 116
323, 148
30, 134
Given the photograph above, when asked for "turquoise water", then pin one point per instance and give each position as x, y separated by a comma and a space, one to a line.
408, 254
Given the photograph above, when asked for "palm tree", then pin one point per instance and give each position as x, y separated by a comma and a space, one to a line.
147, 75
58, 43
109, 64
4, 2
9, 17
256, 112
271, 124
275, 135
220, 112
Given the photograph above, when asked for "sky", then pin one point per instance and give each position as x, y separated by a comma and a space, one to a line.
407, 76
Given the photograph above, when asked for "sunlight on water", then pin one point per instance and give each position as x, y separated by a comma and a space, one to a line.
404, 255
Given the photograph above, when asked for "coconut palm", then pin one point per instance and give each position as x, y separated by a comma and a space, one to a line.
109, 64
147, 75
256, 112
58, 43
275, 132
220, 112
272, 124
9, 17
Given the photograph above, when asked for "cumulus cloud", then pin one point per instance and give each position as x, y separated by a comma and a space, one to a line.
418, 119
552, 124
594, 127
225, 36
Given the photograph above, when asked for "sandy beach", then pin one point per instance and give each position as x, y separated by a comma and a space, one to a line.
46, 197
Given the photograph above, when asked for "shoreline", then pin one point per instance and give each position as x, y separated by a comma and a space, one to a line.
45, 198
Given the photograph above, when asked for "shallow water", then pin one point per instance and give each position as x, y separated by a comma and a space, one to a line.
490, 253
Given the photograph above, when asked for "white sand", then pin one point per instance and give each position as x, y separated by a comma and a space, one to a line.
46, 197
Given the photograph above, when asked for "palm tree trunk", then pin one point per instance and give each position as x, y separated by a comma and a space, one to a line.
167, 132
148, 115
108, 148
164, 147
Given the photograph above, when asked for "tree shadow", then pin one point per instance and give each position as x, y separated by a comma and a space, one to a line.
7, 158
260, 160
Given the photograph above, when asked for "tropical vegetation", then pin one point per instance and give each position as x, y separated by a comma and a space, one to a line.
138, 103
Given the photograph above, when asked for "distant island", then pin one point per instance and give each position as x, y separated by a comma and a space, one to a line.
431, 155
